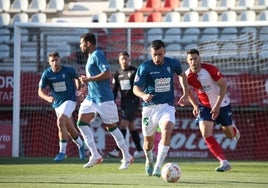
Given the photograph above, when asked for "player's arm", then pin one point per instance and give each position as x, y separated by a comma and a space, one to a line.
185, 90
43, 94
99, 77
216, 108
139, 93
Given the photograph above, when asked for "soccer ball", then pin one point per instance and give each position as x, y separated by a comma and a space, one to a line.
171, 172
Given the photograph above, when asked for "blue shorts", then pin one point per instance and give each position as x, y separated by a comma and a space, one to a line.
224, 118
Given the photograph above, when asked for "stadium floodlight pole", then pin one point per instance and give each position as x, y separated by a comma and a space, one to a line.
16, 92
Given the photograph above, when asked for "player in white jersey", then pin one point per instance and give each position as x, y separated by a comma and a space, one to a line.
213, 106
154, 85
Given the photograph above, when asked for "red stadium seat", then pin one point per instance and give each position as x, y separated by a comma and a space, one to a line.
169, 5
154, 17
136, 17
151, 5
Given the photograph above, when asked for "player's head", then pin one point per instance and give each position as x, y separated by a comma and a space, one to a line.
88, 42
193, 59
158, 51
123, 59
54, 61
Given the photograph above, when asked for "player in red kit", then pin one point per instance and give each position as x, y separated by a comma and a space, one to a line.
213, 104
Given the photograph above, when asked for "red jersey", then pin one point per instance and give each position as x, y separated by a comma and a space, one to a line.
205, 86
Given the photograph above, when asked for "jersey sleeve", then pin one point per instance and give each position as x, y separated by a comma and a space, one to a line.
213, 71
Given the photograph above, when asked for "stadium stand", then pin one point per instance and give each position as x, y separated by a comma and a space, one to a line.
206, 5
38, 17
154, 17
20, 17
172, 17
248, 15
228, 16
209, 34
4, 35
4, 5
4, 51
36, 6
136, 17
18, 6
118, 17
114, 6
187, 6
132, 6
151, 5
225, 5
4, 19
191, 16
101, 17
210, 16
172, 35
169, 5
243, 5
263, 16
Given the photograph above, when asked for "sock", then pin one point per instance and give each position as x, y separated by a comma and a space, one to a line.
162, 154
78, 141
89, 140
157, 139
124, 133
136, 139
120, 142
149, 156
215, 148
63, 145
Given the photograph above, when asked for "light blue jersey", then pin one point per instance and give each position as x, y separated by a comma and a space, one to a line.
99, 91
61, 84
158, 80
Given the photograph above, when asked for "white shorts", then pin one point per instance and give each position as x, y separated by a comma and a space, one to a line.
67, 108
155, 115
106, 110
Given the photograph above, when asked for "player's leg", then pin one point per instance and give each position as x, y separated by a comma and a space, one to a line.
166, 124
76, 138
63, 114
148, 146
63, 137
206, 128
72, 131
228, 127
85, 116
109, 115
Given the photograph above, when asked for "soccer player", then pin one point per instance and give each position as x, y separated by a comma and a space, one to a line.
123, 82
213, 106
99, 100
62, 82
154, 85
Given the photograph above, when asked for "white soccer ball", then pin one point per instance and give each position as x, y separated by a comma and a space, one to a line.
171, 172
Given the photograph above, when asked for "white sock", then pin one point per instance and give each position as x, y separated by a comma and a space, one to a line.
63, 146
121, 143
162, 154
78, 141
149, 156
89, 140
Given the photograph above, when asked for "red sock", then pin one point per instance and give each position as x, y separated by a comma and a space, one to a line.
215, 147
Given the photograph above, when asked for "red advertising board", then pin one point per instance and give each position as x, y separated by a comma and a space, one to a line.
5, 135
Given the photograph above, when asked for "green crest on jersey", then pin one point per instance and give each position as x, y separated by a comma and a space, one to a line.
145, 121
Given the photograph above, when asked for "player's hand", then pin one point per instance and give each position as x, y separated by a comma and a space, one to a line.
183, 100
83, 79
215, 112
147, 97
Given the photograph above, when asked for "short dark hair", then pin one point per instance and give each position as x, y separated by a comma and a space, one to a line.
124, 53
193, 51
89, 37
54, 54
157, 44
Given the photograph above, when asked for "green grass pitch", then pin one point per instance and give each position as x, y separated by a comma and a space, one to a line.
44, 173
